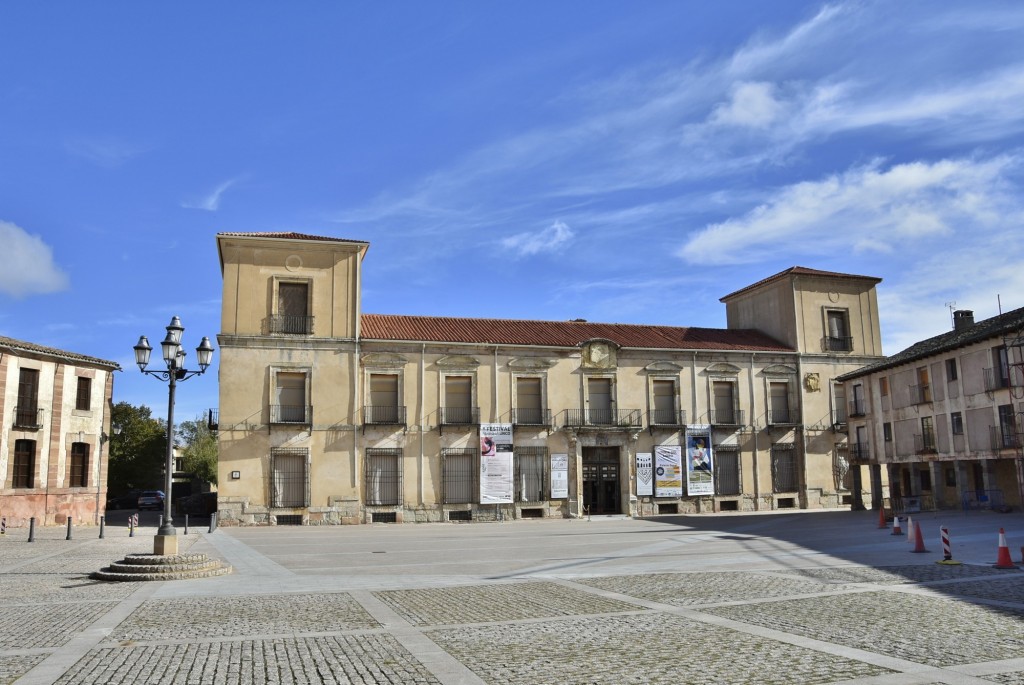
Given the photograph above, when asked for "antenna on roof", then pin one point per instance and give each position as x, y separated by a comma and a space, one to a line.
952, 306
999, 302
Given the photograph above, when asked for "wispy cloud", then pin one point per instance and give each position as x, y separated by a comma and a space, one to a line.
108, 152
868, 209
550, 239
28, 268
211, 201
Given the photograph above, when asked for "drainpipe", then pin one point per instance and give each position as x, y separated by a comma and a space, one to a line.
754, 432
494, 390
422, 420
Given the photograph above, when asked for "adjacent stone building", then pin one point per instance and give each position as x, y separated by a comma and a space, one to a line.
941, 417
330, 415
55, 406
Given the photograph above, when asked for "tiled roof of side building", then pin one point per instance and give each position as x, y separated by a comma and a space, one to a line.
561, 333
21, 346
800, 271
1010, 323
290, 236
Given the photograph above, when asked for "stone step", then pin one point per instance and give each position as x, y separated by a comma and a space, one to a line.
142, 567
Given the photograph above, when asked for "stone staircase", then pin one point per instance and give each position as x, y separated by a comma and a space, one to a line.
136, 567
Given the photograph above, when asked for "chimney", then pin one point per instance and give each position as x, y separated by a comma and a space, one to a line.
962, 319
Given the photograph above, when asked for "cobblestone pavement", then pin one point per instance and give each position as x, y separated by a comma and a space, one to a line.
687, 600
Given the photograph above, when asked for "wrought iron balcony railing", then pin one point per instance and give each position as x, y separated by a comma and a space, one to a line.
832, 343
667, 417
291, 325
782, 417
859, 452
1004, 437
460, 416
996, 379
531, 417
925, 442
839, 416
630, 418
921, 394
730, 417
28, 418
384, 415
294, 414
858, 407
213, 419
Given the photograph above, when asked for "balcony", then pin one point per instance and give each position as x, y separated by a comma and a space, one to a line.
459, 416
291, 414
730, 417
28, 418
1004, 438
924, 443
858, 408
531, 417
625, 418
996, 379
213, 419
921, 394
383, 415
860, 453
782, 417
832, 343
290, 325
666, 417
839, 416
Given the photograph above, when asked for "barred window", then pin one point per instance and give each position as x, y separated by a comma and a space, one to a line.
531, 474
79, 477
727, 470
23, 475
784, 468
460, 475
383, 484
290, 484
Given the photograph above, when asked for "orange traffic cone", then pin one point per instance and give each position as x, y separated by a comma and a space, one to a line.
896, 530
881, 518
1003, 560
918, 540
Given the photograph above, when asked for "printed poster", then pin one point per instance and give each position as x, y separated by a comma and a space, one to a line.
668, 471
496, 472
700, 478
644, 474
559, 476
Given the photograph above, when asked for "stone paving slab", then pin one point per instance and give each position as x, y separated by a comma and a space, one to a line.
920, 573
43, 625
647, 649
1008, 678
13, 667
26, 588
243, 616
369, 659
501, 602
1009, 589
691, 589
922, 629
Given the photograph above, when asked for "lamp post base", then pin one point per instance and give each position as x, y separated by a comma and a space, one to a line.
165, 545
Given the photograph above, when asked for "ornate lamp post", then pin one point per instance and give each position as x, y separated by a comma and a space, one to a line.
166, 541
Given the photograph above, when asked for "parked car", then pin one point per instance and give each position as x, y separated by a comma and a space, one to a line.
130, 500
151, 499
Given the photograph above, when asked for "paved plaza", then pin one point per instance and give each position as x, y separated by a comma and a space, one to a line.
802, 597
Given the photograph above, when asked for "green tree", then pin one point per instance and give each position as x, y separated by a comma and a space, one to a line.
198, 449
138, 449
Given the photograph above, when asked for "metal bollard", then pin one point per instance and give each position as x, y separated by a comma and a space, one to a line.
102, 524
186, 524
69, 529
160, 523
32, 529
213, 522
131, 526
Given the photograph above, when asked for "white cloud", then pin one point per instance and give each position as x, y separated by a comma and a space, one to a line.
551, 239
751, 104
28, 264
210, 202
867, 208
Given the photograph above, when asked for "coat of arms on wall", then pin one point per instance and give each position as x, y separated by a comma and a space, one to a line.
599, 354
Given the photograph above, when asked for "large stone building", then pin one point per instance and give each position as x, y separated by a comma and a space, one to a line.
329, 415
941, 416
55, 406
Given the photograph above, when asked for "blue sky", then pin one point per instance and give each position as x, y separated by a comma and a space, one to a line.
624, 162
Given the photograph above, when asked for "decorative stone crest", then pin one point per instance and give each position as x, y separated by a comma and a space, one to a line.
812, 382
599, 354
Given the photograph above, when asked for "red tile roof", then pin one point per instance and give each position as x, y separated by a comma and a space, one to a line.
290, 236
20, 346
800, 271
561, 333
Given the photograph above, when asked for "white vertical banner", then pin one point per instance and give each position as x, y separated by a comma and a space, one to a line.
496, 464
668, 471
559, 476
644, 474
700, 478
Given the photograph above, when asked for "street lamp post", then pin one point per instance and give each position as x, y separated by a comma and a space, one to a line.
166, 542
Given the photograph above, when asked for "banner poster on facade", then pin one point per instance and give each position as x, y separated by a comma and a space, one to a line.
496, 463
644, 474
559, 476
668, 471
700, 479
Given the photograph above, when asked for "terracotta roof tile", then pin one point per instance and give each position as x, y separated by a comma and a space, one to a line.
16, 346
561, 333
800, 271
289, 236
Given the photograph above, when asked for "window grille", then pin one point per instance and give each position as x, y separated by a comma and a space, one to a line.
727, 470
79, 465
290, 484
383, 484
460, 475
784, 471
531, 474
24, 463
